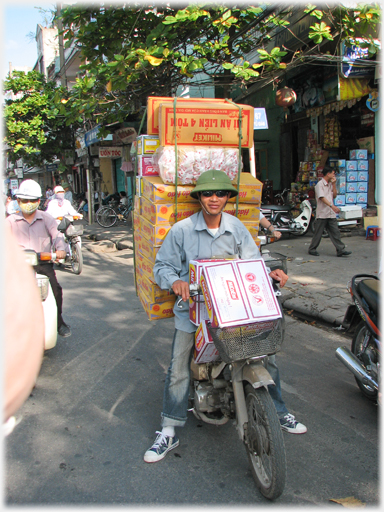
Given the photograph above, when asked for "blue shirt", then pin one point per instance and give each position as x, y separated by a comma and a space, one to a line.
190, 239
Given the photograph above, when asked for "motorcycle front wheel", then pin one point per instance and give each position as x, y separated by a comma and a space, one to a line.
357, 347
106, 217
264, 443
76, 258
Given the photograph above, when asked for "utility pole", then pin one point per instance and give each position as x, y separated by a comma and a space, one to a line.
63, 77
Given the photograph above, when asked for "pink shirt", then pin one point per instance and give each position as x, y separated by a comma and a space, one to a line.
324, 189
40, 235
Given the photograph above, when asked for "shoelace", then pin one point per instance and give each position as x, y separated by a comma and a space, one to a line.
290, 418
160, 439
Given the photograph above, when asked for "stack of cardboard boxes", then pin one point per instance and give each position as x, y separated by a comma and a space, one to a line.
155, 202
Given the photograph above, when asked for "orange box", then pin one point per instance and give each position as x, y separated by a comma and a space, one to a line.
250, 189
157, 310
145, 267
205, 350
159, 192
139, 186
153, 104
245, 212
208, 124
253, 227
153, 292
153, 233
137, 205
148, 250
158, 213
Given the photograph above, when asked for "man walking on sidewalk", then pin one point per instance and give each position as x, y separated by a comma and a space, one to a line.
326, 214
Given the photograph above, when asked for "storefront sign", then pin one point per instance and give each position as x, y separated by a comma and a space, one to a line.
92, 136
353, 88
352, 64
51, 167
14, 185
126, 135
81, 152
260, 121
116, 152
19, 172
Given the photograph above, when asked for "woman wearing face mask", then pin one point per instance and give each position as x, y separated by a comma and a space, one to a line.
37, 230
58, 206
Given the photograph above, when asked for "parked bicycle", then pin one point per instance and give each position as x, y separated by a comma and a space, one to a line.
108, 216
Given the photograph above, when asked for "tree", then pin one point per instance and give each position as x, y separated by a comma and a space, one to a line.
131, 51
34, 130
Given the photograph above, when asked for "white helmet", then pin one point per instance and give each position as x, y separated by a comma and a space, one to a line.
29, 189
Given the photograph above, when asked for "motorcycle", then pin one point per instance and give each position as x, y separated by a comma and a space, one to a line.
361, 317
282, 218
235, 387
47, 298
72, 235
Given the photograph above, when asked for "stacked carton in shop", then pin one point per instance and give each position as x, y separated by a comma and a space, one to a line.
155, 201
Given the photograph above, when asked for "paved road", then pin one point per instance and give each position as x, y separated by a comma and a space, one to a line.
97, 405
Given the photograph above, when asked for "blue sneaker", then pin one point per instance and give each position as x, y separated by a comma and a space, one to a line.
162, 445
289, 424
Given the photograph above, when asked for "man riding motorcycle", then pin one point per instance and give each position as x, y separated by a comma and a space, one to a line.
58, 206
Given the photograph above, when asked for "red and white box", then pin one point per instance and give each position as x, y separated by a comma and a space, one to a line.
205, 350
145, 166
238, 292
197, 308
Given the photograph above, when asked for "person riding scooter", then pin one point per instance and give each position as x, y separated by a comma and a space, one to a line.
37, 230
59, 206
206, 234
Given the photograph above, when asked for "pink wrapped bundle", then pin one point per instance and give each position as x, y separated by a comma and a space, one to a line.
193, 161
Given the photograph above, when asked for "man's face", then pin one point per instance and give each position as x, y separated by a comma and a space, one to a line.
329, 176
214, 201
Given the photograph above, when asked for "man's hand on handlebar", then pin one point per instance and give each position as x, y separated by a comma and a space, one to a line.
181, 288
279, 275
61, 255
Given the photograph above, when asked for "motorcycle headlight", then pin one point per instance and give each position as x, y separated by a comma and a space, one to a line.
31, 257
43, 284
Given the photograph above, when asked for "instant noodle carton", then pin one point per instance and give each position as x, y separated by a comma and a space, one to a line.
145, 166
157, 191
153, 292
155, 234
206, 124
147, 144
160, 213
148, 250
238, 293
245, 212
252, 227
157, 310
137, 205
205, 350
250, 190
145, 266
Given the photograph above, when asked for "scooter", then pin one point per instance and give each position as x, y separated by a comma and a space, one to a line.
361, 317
72, 235
47, 298
235, 387
282, 218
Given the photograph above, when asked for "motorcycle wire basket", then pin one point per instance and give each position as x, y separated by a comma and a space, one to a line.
74, 230
252, 340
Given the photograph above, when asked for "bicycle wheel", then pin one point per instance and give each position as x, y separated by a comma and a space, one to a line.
76, 258
106, 217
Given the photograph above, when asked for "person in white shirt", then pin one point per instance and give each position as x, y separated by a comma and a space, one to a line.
59, 206
67, 193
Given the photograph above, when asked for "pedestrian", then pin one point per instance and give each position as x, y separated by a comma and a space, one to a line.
206, 234
326, 212
37, 230
67, 193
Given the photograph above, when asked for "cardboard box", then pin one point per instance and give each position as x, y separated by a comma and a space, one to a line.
367, 143
253, 228
351, 186
147, 144
161, 213
156, 310
358, 154
246, 212
155, 234
153, 292
157, 191
350, 212
136, 221
250, 190
148, 250
209, 124
238, 293
145, 166
139, 186
362, 165
205, 350
137, 205
145, 266
362, 176
350, 198
339, 200
361, 198
341, 164
362, 186
351, 176
351, 165
153, 104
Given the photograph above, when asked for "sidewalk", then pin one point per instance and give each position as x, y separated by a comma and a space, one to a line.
317, 286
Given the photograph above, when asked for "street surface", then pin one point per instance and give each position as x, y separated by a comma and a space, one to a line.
97, 404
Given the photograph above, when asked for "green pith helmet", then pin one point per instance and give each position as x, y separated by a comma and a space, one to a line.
213, 180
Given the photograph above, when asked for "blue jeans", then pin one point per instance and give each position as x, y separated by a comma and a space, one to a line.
176, 389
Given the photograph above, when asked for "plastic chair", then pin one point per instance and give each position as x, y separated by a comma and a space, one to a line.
372, 233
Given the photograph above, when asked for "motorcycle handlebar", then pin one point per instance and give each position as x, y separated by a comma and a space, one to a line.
46, 256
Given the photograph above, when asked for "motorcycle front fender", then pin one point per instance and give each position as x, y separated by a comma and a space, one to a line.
256, 375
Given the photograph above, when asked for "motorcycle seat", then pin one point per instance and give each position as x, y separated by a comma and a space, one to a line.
276, 208
369, 290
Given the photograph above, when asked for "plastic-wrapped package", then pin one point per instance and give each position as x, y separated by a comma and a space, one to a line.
193, 161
